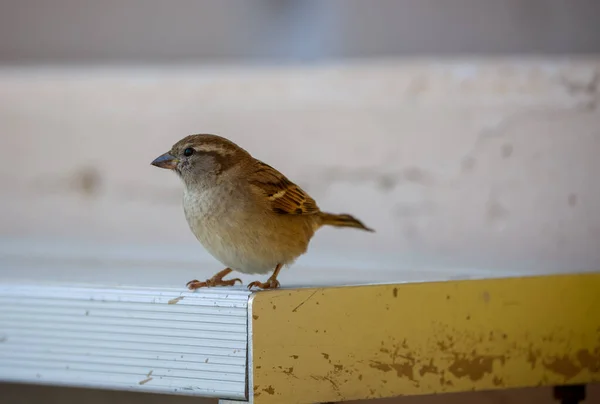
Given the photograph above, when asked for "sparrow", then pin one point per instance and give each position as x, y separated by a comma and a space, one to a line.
245, 213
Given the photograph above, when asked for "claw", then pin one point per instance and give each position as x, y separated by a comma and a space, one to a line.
269, 284
212, 282
195, 284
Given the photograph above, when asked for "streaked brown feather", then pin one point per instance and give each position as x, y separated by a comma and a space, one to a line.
285, 197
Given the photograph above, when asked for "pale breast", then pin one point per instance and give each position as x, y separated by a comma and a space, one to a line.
242, 236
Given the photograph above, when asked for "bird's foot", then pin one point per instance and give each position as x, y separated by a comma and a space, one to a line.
271, 283
212, 282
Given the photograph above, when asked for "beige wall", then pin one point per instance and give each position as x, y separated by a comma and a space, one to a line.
488, 163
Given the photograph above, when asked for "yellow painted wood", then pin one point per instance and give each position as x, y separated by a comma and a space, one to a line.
334, 344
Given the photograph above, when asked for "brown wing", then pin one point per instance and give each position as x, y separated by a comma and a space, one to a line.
284, 196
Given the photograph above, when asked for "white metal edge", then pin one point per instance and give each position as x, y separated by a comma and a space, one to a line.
250, 371
52, 335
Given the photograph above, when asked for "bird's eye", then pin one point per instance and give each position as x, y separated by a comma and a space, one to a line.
188, 152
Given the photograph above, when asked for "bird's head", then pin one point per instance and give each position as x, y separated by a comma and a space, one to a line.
202, 158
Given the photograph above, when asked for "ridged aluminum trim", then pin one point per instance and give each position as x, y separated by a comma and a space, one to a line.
153, 340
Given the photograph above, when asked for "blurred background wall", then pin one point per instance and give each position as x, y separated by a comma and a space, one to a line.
465, 131
484, 163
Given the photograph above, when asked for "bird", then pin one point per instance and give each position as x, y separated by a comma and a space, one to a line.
245, 213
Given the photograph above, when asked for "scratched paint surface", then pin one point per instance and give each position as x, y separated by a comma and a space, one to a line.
334, 344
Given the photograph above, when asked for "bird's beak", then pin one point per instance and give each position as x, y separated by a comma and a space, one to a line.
166, 161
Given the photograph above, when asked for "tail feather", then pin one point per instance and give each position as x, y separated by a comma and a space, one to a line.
343, 220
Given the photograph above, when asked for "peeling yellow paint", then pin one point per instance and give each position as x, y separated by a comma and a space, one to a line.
334, 344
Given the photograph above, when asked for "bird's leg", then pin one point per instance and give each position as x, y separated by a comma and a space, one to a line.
216, 280
271, 283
